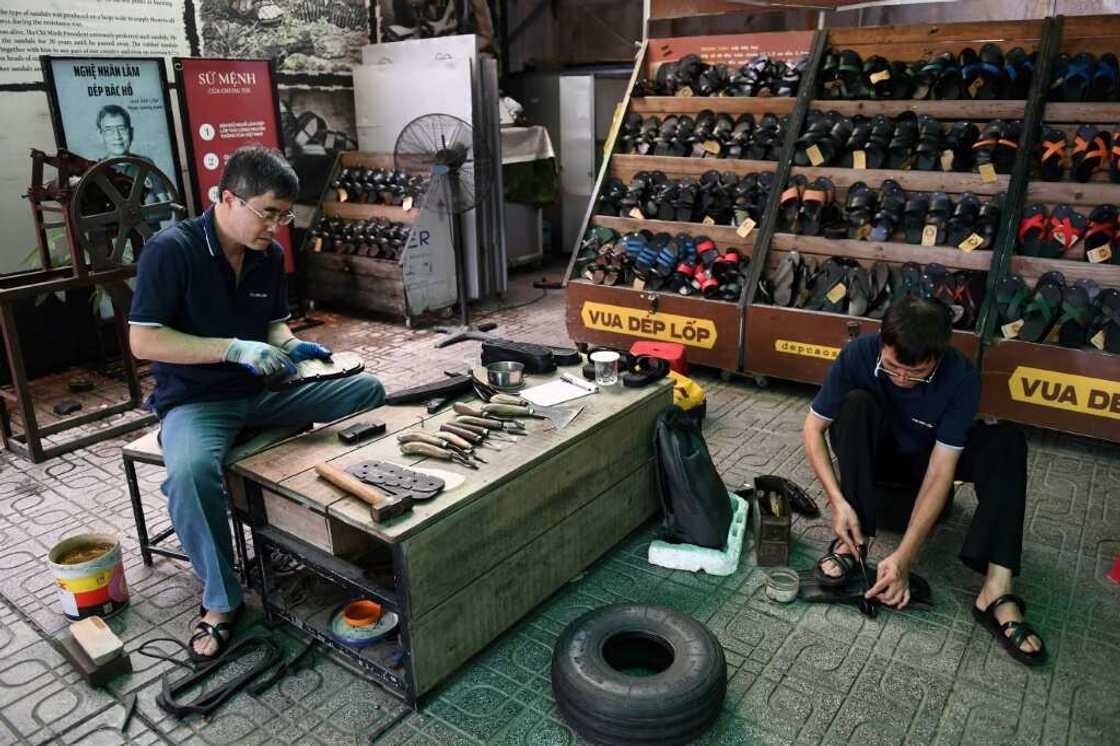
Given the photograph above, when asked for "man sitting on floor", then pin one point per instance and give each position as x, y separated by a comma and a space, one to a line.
903, 401
210, 305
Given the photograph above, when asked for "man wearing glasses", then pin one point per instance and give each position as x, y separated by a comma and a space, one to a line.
900, 405
210, 305
114, 125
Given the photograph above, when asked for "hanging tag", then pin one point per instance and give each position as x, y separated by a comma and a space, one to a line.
864, 232
881, 75
639, 284
859, 159
976, 85
407, 203
929, 235
1054, 335
685, 92
1097, 340
745, 228
814, 154
1011, 331
1099, 254
636, 214
341, 195
712, 146
971, 243
708, 220
947, 158
988, 173
837, 293
317, 245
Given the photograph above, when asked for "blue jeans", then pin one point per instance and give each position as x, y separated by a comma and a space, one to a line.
196, 438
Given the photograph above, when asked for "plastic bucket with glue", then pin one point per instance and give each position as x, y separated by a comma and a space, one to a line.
89, 572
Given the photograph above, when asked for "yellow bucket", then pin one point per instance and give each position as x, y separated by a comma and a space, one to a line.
89, 573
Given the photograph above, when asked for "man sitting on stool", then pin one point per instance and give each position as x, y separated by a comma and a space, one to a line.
904, 400
210, 305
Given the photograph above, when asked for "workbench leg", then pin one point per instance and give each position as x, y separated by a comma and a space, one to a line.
20, 384
137, 510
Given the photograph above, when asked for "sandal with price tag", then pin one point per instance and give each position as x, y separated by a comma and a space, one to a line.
877, 71
859, 208
1101, 233
1042, 309
937, 217
813, 200
1064, 229
931, 138
1033, 230
958, 144
988, 220
789, 205
963, 221
1010, 294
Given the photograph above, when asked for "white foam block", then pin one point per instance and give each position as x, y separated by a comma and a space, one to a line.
100, 643
712, 561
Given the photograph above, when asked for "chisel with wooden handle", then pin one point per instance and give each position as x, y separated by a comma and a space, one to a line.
382, 507
441, 440
424, 449
481, 431
475, 439
469, 411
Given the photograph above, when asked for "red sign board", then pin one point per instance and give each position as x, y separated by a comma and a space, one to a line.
226, 104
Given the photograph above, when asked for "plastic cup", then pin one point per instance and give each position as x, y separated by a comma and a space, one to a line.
606, 367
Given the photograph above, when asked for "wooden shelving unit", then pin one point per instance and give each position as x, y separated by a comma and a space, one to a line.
1046, 384
617, 316
365, 283
799, 345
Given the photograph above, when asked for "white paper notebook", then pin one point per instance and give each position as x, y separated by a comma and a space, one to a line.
554, 392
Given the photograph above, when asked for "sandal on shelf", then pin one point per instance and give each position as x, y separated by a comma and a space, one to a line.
968, 296
878, 141
900, 151
813, 200
789, 204
892, 202
1011, 635
859, 209
946, 78
850, 73
914, 218
1006, 147
740, 136
857, 143
1114, 158
880, 285
1105, 78
935, 284
1032, 230
849, 567
877, 70
902, 81
1011, 294
988, 76
1073, 324
937, 217
1019, 67
1091, 150
964, 220
1106, 321
1042, 309
931, 138
830, 274
988, 220
220, 633
1064, 229
1058, 70
984, 149
1101, 233
1053, 152
859, 290
1079, 77
958, 154
784, 280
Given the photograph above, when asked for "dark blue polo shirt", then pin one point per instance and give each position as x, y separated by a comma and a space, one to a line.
940, 411
185, 282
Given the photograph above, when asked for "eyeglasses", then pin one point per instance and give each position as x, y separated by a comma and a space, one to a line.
270, 216
902, 376
119, 129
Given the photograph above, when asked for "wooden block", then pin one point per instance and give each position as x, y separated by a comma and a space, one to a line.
93, 674
97, 640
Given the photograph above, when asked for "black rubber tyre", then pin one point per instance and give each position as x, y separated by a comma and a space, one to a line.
676, 700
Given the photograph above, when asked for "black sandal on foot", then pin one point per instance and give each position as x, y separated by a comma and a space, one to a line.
221, 632
1019, 631
849, 566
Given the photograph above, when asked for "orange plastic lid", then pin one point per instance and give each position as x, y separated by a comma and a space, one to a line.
361, 613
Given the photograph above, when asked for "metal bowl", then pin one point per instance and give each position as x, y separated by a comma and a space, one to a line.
505, 374
782, 585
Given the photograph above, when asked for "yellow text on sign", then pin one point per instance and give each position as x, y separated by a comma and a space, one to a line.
665, 327
805, 349
1047, 388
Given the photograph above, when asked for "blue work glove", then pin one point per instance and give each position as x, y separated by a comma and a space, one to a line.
261, 358
299, 350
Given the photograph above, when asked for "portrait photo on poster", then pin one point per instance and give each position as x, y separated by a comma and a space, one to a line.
108, 107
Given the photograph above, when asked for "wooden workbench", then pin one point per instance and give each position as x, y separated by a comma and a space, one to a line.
465, 566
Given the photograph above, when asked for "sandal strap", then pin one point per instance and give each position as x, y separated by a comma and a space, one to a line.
1038, 220
1053, 148
1009, 598
1020, 631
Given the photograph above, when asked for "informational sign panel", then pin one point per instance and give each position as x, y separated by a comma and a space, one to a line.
226, 104
732, 50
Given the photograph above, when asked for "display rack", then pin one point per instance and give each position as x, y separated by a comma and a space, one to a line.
421, 280
617, 316
1073, 390
799, 344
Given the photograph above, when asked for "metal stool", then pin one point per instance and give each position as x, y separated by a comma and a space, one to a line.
147, 450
